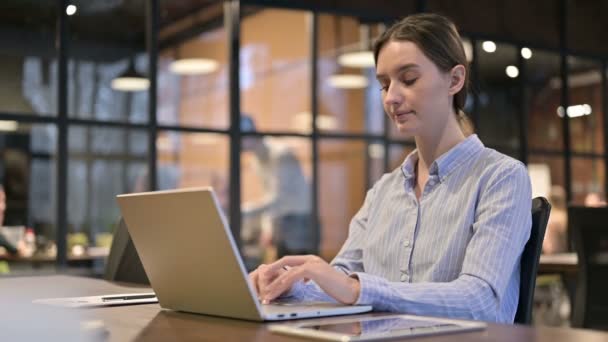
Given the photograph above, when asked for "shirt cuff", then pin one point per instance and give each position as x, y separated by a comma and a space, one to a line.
296, 291
368, 288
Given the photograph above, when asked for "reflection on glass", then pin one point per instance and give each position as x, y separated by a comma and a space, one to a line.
498, 122
342, 190
588, 181
277, 214
91, 95
585, 105
29, 85
103, 162
542, 98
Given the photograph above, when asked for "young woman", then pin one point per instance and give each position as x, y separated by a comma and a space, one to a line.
442, 234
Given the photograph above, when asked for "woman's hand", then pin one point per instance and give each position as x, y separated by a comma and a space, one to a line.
270, 281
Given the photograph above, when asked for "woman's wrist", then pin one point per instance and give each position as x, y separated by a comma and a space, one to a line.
355, 286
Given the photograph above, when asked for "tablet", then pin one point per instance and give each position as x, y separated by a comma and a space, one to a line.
107, 300
379, 327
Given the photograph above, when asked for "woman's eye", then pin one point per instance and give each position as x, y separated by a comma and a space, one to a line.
383, 87
410, 81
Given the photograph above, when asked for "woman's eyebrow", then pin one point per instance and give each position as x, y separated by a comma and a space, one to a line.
400, 69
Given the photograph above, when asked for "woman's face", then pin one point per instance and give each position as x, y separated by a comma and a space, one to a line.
416, 95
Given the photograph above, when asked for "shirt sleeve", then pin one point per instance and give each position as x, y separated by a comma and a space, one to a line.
500, 231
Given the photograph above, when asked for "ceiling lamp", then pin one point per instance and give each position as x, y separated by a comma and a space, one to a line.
8, 125
358, 59
193, 66
362, 57
347, 81
575, 111
512, 71
488, 46
130, 80
71, 10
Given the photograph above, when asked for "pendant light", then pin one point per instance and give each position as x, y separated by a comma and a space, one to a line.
130, 80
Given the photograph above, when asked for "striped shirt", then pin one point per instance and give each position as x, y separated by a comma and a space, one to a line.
453, 253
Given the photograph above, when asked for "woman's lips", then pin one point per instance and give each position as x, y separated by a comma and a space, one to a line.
403, 115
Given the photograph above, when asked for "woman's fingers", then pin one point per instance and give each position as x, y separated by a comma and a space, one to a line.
291, 261
284, 282
253, 280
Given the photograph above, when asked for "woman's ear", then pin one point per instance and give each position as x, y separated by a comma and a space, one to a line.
458, 76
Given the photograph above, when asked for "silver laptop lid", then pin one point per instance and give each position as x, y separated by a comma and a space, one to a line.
188, 252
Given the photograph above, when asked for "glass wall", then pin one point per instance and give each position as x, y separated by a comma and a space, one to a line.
542, 86
342, 187
28, 158
275, 69
193, 73
348, 92
28, 62
103, 162
498, 85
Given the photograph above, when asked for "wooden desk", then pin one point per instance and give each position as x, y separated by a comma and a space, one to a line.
565, 263
150, 323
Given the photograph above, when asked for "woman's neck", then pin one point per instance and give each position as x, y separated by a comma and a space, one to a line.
432, 146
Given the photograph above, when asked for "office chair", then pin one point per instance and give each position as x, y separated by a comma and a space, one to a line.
529, 259
123, 263
589, 231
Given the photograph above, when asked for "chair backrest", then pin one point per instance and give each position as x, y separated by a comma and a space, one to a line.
529, 259
123, 262
589, 231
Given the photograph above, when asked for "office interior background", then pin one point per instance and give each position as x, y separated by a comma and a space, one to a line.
72, 136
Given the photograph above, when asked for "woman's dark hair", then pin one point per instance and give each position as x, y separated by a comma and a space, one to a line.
440, 42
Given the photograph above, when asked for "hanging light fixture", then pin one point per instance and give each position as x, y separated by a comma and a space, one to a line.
357, 59
362, 58
192, 66
130, 80
347, 81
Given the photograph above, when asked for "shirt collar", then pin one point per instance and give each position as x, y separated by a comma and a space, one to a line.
448, 161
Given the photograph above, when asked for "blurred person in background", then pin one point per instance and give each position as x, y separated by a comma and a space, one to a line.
594, 199
556, 235
286, 200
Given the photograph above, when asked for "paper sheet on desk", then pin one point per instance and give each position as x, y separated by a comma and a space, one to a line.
103, 300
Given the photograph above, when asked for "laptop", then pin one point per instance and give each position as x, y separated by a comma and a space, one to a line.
193, 263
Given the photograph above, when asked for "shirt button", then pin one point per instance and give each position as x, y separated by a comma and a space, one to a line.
406, 243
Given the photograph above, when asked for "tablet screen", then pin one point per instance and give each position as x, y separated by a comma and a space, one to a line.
397, 325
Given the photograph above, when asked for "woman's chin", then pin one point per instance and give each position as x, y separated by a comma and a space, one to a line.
406, 129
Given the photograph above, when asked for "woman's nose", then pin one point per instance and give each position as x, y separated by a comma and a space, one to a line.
393, 98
